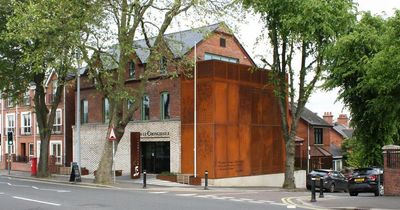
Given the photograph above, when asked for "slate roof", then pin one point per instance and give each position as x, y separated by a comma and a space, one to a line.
343, 130
179, 42
313, 119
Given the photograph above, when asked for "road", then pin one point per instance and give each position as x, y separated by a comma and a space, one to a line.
16, 194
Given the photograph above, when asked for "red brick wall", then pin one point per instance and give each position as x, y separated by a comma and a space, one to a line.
391, 179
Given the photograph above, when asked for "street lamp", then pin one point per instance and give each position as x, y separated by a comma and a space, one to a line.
78, 114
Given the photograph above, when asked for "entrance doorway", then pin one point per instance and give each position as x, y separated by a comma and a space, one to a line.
155, 156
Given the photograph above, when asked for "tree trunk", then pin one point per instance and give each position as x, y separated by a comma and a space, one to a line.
289, 182
104, 170
43, 168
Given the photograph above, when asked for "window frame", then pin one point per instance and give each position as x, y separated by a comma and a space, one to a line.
162, 106
10, 102
106, 112
84, 111
26, 99
222, 42
143, 111
163, 65
26, 126
59, 156
132, 69
55, 124
318, 136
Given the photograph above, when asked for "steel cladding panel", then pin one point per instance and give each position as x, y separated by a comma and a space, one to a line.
238, 130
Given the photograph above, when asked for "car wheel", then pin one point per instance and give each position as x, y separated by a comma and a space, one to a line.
353, 194
332, 188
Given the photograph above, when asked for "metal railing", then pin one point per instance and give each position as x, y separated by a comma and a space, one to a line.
393, 158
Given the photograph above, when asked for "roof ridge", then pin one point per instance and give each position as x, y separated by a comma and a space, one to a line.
190, 29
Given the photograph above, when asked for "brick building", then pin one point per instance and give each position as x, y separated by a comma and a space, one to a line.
20, 118
229, 144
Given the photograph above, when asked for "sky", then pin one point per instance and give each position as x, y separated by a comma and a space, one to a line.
320, 101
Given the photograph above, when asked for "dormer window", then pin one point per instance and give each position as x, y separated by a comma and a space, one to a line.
131, 69
222, 42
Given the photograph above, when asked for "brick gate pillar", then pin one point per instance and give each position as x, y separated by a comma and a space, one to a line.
391, 159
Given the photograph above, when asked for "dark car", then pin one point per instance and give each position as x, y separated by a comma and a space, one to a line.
333, 180
366, 180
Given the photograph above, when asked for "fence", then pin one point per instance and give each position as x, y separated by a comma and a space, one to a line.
393, 158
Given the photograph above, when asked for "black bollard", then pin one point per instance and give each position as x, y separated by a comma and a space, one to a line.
313, 190
206, 180
144, 179
321, 187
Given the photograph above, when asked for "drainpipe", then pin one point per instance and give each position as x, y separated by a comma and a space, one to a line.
64, 129
2, 127
308, 148
16, 130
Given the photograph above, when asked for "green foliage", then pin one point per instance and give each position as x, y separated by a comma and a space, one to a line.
364, 66
308, 27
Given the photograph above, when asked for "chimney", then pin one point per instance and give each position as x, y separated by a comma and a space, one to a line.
343, 120
328, 117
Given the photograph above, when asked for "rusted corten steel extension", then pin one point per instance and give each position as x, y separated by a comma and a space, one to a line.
238, 122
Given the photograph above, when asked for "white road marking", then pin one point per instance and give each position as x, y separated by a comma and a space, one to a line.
9, 184
186, 195
21, 185
157, 192
37, 201
291, 206
279, 204
55, 190
205, 196
261, 201
1, 193
238, 200
36, 188
245, 199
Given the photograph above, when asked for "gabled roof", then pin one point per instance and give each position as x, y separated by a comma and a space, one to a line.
179, 42
343, 130
313, 119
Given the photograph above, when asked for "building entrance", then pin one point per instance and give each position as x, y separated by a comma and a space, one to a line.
155, 156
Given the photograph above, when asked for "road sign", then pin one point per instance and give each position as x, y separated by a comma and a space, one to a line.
112, 136
10, 138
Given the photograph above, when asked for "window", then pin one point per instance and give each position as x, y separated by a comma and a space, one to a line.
57, 125
26, 123
131, 69
84, 111
145, 107
53, 90
209, 56
55, 150
106, 110
222, 42
130, 104
163, 65
337, 165
26, 99
10, 102
31, 150
318, 135
10, 128
164, 105
11, 123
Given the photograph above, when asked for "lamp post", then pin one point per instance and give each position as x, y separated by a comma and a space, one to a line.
195, 112
78, 114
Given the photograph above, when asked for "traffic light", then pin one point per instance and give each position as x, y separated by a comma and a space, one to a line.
10, 138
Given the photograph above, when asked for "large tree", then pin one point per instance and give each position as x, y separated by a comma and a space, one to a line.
364, 66
107, 65
45, 34
303, 28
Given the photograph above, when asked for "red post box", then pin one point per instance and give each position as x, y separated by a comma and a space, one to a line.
33, 166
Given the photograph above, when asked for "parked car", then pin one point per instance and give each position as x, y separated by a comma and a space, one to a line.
333, 180
366, 180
